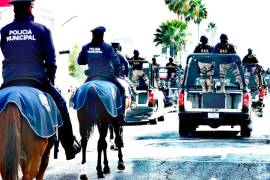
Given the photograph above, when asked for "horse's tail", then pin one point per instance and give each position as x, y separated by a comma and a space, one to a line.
94, 110
12, 146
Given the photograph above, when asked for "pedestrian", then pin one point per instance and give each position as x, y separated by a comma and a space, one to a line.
27, 44
203, 47
224, 47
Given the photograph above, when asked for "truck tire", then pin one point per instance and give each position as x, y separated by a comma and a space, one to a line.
161, 118
186, 129
245, 131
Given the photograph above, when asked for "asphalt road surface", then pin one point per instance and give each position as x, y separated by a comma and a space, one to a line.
157, 152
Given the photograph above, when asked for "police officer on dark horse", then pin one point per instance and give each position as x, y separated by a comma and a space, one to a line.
98, 101
30, 60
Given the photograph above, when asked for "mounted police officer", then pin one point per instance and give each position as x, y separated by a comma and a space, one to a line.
124, 65
224, 47
203, 47
29, 60
103, 62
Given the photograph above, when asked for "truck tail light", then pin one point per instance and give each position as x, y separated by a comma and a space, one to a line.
151, 98
181, 101
245, 102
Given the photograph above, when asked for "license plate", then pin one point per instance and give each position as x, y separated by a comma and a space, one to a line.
213, 115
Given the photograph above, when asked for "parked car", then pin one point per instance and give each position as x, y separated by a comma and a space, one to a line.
148, 105
214, 93
256, 84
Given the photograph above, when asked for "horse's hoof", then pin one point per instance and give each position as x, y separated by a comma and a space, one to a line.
83, 177
100, 175
121, 166
106, 170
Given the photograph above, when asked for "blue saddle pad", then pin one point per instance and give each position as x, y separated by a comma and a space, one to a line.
37, 107
107, 92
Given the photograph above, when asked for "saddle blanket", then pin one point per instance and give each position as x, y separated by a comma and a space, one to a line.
37, 107
107, 92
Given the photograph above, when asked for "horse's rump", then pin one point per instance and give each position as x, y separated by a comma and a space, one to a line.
19, 143
37, 107
98, 97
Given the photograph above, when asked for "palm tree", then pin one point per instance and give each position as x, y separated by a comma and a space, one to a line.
172, 34
197, 12
180, 7
212, 29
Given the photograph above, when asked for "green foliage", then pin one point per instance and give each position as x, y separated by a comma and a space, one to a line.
188, 9
73, 68
171, 34
211, 27
197, 12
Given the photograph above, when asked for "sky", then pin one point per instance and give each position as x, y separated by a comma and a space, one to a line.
133, 23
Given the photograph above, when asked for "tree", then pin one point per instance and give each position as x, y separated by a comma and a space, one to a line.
212, 29
172, 34
180, 7
73, 68
197, 12
188, 10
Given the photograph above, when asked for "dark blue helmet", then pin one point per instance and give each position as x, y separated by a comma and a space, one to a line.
136, 52
204, 40
223, 37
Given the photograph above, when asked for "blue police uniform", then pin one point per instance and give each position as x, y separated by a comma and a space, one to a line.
224, 48
29, 54
124, 65
102, 61
18, 62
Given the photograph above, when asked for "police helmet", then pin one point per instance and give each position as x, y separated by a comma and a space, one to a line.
224, 37
136, 52
204, 40
15, 1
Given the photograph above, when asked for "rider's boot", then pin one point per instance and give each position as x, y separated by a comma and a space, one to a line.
67, 139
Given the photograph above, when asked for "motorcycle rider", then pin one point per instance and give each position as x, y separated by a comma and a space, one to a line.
224, 47
203, 47
28, 44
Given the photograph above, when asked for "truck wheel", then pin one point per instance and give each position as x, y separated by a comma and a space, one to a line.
161, 118
153, 121
186, 129
245, 131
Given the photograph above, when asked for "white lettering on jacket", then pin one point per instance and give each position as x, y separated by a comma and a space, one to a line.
94, 50
21, 35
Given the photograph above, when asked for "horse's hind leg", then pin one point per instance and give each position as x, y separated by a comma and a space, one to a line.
119, 143
102, 147
33, 149
45, 161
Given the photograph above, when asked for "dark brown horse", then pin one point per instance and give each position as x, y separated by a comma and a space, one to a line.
94, 113
19, 145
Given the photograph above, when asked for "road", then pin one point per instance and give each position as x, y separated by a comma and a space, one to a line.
157, 152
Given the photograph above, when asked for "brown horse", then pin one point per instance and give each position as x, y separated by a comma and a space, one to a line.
19, 145
94, 113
